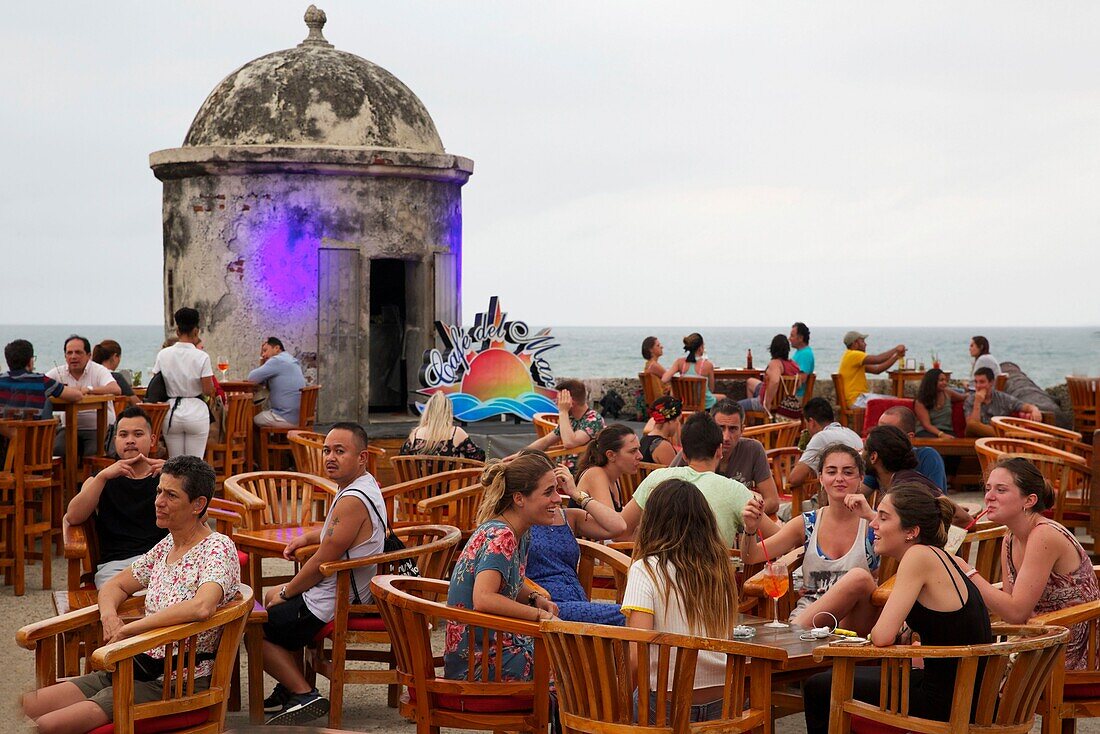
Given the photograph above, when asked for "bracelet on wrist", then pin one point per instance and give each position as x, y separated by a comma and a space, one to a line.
971, 572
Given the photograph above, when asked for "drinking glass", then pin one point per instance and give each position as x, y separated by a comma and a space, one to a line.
776, 583
223, 365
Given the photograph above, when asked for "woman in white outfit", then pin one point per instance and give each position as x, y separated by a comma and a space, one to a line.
188, 376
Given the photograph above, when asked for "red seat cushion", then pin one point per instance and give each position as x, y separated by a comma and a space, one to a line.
958, 419
603, 582
876, 407
172, 722
242, 558
1081, 691
358, 623
480, 704
861, 725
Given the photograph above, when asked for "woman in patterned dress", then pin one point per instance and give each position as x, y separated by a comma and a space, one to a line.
438, 436
488, 576
188, 575
1043, 566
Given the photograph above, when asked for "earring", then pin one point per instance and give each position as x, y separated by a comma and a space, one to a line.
910, 540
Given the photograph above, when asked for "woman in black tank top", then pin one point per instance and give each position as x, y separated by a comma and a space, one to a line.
931, 595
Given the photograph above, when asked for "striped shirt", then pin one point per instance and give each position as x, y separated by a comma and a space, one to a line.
22, 391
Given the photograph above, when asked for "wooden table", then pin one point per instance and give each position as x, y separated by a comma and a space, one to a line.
97, 403
898, 378
266, 543
737, 374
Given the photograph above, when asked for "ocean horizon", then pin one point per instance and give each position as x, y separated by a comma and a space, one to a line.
1046, 354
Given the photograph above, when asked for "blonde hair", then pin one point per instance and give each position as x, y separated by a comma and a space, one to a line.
679, 531
437, 421
502, 479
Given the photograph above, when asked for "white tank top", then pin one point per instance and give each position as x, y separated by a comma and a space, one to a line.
321, 598
820, 573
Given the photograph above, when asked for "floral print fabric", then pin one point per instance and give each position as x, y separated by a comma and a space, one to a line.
212, 559
492, 547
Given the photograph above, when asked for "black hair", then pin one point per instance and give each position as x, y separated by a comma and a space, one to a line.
985, 372
84, 340
186, 320
692, 342
355, 429
700, 437
803, 330
780, 347
892, 446
1030, 481
929, 387
135, 411
197, 476
18, 354
647, 347
105, 350
818, 410
917, 507
982, 343
274, 341
728, 406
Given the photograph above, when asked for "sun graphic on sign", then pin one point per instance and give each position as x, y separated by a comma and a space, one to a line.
496, 373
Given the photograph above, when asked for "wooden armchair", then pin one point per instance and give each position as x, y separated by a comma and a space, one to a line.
566, 457
1003, 697
1084, 395
273, 445
419, 466
360, 624
279, 498
403, 500
652, 387
157, 412
628, 483
457, 507
410, 611
847, 416
753, 587
182, 708
981, 548
229, 456
808, 394
788, 385
692, 392
29, 500
1069, 441
782, 462
1073, 694
544, 423
775, 435
602, 571
578, 650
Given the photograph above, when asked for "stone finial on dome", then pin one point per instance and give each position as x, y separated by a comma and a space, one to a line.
315, 20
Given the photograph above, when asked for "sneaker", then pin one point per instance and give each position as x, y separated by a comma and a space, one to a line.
274, 703
300, 708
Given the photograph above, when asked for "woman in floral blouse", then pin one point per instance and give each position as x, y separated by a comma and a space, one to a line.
188, 575
438, 436
488, 576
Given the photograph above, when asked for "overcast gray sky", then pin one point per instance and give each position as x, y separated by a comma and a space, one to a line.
688, 163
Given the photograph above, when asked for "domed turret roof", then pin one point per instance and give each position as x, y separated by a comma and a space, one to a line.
314, 95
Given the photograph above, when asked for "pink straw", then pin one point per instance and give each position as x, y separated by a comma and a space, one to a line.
760, 537
976, 518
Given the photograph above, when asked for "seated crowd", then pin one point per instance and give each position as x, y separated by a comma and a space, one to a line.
712, 495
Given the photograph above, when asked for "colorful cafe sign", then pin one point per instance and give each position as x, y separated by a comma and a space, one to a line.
496, 367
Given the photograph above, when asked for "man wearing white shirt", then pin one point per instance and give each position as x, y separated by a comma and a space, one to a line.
90, 378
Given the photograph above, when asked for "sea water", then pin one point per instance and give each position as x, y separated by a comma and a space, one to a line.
1046, 354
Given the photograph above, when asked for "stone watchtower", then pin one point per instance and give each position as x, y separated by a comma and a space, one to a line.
312, 200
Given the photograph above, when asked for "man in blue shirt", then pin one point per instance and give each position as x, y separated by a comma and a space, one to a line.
284, 379
25, 393
929, 461
803, 354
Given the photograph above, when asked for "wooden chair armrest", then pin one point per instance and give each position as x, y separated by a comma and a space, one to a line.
75, 540
306, 552
711, 644
605, 555
329, 568
27, 637
1070, 615
882, 593
944, 651
249, 501
442, 500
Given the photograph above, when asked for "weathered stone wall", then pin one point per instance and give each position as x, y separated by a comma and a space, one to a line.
243, 249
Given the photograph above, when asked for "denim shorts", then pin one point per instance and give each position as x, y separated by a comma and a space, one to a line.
699, 711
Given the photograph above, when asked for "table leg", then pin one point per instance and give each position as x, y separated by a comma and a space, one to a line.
19, 542
100, 429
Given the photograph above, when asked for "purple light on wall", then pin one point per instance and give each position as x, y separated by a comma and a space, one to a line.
287, 251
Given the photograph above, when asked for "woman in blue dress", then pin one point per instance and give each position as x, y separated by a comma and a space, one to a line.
554, 552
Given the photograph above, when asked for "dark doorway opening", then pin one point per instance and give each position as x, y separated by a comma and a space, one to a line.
388, 389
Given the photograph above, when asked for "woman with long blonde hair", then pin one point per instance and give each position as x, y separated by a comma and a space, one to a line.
682, 581
436, 435
488, 576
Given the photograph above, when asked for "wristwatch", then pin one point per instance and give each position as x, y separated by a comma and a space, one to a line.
282, 593
582, 499
532, 598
